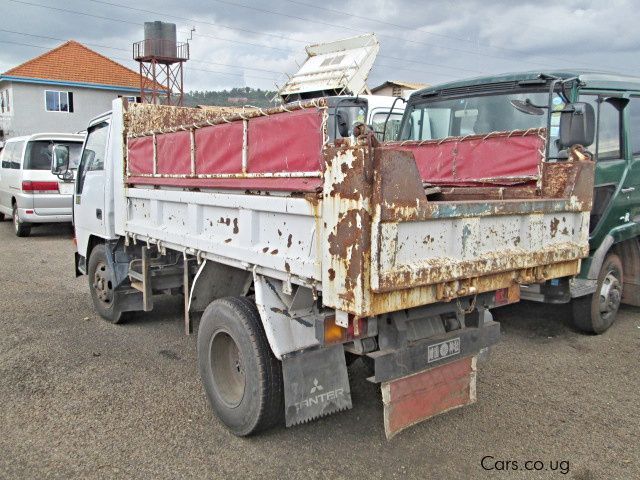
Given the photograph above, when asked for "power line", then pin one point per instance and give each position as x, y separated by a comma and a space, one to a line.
421, 29
129, 60
244, 30
129, 50
320, 22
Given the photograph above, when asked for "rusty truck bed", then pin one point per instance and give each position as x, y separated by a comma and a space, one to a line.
376, 228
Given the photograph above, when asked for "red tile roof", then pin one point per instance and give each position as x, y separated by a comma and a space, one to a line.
73, 62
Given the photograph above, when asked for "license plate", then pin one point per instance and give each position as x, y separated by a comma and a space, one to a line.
65, 188
445, 349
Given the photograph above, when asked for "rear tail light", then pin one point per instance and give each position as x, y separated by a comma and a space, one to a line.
334, 333
39, 187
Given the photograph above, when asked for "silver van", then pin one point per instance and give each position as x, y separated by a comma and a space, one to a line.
29, 192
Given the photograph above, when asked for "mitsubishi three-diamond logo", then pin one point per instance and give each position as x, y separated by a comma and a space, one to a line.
316, 386
319, 396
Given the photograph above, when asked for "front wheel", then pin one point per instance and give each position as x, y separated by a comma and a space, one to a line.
595, 313
242, 378
20, 228
102, 285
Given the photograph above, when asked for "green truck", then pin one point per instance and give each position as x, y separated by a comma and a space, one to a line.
611, 273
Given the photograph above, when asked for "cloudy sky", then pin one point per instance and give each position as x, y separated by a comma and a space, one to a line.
254, 43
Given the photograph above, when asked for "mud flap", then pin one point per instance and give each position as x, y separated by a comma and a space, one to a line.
315, 384
414, 398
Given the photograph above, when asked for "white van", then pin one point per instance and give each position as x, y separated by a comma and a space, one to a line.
29, 192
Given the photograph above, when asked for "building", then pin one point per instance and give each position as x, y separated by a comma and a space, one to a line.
396, 88
61, 90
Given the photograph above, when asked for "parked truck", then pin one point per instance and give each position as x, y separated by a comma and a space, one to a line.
303, 248
610, 275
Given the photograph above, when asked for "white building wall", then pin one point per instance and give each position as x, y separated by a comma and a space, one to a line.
28, 113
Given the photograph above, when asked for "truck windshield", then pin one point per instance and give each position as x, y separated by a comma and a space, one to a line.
437, 119
38, 154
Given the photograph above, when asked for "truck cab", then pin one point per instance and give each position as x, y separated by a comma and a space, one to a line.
610, 275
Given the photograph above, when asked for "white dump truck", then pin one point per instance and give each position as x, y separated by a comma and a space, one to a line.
303, 250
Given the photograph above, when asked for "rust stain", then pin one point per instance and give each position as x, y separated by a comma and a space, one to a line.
289, 241
554, 227
274, 252
235, 226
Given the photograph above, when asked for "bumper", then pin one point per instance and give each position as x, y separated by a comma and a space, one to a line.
45, 215
433, 352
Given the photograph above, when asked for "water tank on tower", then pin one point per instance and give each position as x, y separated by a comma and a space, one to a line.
161, 58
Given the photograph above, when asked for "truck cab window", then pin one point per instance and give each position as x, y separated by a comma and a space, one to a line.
479, 115
634, 124
608, 134
94, 152
609, 130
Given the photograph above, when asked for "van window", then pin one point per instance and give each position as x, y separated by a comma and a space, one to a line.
4, 156
634, 124
11, 155
38, 154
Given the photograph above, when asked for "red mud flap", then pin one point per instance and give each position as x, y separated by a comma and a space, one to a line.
414, 398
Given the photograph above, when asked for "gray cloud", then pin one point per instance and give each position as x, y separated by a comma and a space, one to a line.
420, 41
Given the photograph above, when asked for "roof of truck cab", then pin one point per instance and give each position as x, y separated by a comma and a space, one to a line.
590, 79
65, 137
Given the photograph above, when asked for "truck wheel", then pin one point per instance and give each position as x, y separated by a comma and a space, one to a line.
102, 285
22, 229
596, 313
1, 217
242, 378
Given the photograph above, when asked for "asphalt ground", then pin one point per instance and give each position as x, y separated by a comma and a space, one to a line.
81, 398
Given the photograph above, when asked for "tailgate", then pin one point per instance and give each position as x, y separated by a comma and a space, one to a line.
391, 246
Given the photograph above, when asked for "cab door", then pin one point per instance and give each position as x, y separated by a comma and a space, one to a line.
89, 197
632, 181
611, 190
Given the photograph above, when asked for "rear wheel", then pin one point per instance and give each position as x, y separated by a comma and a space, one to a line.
1, 217
242, 378
22, 229
102, 285
596, 313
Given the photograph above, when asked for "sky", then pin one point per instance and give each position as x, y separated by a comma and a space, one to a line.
239, 43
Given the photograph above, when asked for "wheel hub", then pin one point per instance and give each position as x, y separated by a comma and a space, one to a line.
102, 284
610, 295
227, 367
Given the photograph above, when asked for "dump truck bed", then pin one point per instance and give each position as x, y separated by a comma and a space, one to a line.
374, 228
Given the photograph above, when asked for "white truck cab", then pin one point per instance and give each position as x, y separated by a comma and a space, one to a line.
29, 192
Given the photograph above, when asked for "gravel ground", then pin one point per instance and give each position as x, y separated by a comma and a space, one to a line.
83, 398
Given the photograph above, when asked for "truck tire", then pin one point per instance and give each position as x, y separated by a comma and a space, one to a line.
595, 313
242, 378
1, 217
21, 229
101, 284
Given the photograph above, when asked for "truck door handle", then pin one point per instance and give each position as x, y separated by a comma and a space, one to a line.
628, 189
99, 213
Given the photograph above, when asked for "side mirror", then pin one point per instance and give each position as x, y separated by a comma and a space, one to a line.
577, 125
60, 159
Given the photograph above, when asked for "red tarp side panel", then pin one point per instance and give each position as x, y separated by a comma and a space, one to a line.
140, 155
219, 148
499, 159
174, 153
280, 184
286, 142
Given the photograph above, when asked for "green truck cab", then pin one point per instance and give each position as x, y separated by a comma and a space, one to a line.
610, 275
